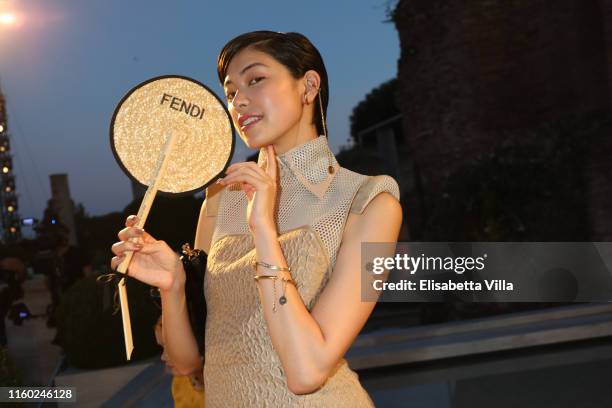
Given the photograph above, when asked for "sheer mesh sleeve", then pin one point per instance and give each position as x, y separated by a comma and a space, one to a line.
370, 188
213, 195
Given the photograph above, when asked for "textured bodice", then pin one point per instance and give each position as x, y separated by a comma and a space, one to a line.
241, 367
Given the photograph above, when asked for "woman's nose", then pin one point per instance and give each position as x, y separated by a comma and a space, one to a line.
240, 99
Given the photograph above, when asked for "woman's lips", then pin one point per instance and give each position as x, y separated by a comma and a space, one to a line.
252, 123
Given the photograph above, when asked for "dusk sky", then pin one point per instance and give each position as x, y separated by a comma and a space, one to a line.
65, 64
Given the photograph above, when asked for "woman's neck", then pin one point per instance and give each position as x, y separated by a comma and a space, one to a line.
294, 138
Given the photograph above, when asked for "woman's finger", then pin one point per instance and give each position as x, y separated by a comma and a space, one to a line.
247, 177
271, 166
131, 220
130, 232
246, 181
250, 170
149, 248
119, 248
152, 247
116, 261
248, 164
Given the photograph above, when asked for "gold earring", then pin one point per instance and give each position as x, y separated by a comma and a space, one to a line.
330, 168
322, 116
308, 89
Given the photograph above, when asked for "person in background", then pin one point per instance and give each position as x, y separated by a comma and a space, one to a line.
12, 275
63, 264
187, 390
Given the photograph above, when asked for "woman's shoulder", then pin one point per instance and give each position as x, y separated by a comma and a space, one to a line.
369, 187
211, 199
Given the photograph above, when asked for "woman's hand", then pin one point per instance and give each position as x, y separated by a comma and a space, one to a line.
153, 262
260, 187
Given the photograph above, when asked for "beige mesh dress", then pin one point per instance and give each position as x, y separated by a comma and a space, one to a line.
241, 367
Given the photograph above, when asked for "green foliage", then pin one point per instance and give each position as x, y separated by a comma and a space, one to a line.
172, 219
9, 375
92, 336
390, 10
528, 191
88, 331
377, 106
363, 161
516, 200
97, 234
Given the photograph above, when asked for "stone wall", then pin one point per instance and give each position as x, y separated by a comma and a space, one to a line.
471, 78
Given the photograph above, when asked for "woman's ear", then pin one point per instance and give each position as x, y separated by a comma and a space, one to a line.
312, 82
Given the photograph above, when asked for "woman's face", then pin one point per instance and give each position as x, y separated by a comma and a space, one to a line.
264, 100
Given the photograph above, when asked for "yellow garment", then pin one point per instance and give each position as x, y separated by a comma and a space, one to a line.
184, 394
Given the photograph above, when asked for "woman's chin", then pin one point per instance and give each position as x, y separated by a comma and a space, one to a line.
250, 143
253, 142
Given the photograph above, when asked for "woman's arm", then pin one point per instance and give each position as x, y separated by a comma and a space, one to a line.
310, 344
206, 222
180, 343
156, 264
181, 346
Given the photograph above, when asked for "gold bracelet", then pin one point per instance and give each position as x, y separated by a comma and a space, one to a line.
282, 300
273, 267
287, 280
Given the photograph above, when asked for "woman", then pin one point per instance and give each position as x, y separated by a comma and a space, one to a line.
276, 331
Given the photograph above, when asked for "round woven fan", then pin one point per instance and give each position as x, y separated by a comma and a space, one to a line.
173, 135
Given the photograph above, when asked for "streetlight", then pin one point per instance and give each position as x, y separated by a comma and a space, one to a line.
7, 19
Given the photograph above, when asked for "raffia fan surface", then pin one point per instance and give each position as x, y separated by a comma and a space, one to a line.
177, 106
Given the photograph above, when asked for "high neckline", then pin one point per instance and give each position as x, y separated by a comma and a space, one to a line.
308, 162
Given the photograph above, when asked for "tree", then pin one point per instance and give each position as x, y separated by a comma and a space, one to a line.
377, 106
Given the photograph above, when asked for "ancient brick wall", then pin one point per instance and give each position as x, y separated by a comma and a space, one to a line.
470, 76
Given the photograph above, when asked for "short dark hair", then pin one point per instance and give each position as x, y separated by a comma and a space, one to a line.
293, 50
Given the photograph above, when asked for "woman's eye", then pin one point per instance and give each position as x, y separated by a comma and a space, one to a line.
230, 95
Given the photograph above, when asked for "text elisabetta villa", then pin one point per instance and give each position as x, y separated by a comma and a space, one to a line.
459, 265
